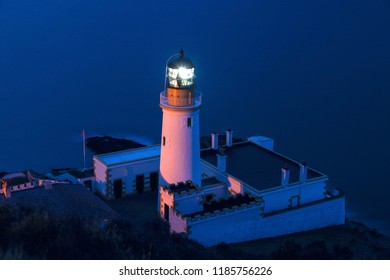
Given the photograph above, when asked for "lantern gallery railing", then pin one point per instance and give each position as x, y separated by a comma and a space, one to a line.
191, 99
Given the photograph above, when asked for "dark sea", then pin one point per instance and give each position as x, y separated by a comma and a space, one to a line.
313, 75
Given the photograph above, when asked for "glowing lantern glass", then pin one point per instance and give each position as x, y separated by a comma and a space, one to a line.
180, 72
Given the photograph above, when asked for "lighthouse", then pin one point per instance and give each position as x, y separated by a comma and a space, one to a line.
180, 104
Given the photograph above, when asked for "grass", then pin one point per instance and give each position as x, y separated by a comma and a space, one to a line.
137, 209
352, 240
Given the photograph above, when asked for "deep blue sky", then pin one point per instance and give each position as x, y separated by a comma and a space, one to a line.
314, 75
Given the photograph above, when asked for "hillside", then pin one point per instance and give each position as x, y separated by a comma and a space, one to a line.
36, 234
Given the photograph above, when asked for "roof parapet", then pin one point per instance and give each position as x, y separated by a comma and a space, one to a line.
224, 211
225, 206
181, 189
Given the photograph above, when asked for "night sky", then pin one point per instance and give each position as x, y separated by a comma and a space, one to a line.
313, 75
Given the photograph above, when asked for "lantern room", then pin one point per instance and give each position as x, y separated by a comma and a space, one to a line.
180, 72
179, 90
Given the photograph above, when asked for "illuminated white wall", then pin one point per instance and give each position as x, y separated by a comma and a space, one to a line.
127, 172
180, 151
100, 176
248, 224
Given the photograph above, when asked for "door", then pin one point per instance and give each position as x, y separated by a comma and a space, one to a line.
153, 181
88, 184
118, 188
166, 212
140, 183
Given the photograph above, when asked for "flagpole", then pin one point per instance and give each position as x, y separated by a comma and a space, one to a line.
84, 147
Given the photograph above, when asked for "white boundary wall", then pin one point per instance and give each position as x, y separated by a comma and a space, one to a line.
249, 224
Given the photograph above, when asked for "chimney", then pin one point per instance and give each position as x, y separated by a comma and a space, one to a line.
285, 176
221, 160
214, 141
229, 137
303, 172
6, 189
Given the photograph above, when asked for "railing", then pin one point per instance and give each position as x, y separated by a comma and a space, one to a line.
181, 102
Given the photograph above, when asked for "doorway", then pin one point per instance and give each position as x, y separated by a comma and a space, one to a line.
118, 186
166, 212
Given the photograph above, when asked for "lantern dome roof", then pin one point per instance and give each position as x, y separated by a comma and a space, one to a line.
180, 62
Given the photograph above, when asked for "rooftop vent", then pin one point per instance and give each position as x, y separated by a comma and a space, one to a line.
221, 160
229, 137
214, 141
303, 172
285, 176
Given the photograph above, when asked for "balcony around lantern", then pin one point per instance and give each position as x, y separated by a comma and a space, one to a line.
191, 100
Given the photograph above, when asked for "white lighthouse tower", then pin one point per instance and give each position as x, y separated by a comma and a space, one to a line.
180, 103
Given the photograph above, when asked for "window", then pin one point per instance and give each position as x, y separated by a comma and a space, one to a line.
294, 201
208, 197
118, 188
140, 183
163, 140
189, 122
